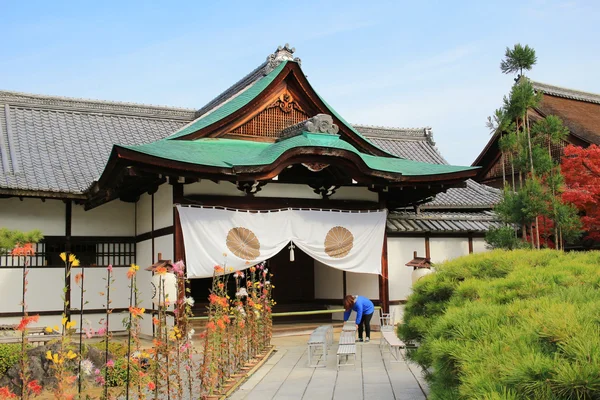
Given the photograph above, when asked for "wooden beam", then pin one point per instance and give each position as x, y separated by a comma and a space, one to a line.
427, 250
470, 244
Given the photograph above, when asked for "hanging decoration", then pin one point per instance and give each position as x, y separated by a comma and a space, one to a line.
350, 241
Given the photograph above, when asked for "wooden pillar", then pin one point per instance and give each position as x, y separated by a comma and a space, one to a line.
470, 243
344, 279
384, 286
179, 252
427, 250
152, 226
68, 225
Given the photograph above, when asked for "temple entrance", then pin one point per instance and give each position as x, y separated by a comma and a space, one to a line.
294, 286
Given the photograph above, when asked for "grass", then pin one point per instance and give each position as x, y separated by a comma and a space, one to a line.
509, 325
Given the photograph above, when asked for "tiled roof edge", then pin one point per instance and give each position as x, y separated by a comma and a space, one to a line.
566, 93
90, 105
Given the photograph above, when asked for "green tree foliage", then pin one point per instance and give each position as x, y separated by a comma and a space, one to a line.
517, 59
10, 238
504, 238
509, 325
534, 204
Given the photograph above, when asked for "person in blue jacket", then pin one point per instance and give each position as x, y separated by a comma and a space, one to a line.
364, 309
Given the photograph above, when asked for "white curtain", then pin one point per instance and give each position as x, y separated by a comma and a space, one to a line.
350, 241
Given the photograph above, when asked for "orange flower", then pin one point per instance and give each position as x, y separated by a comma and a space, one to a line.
160, 270
221, 285
211, 326
25, 250
242, 324
133, 269
26, 321
218, 269
151, 385
221, 324
155, 320
136, 312
252, 269
226, 319
78, 277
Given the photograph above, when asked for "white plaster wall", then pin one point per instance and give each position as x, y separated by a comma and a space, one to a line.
164, 245
116, 218
479, 245
212, 188
447, 248
95, 283
29, 214
366, 285
11, 289
44, 289
400, 251
144, 214
273, 189
329, 282
163, 206
144, 278
355, 193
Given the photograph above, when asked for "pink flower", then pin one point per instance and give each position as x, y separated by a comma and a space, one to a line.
102, 331
110, 268
178, 267
110, 363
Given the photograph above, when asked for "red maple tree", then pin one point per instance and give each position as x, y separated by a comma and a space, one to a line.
581, 170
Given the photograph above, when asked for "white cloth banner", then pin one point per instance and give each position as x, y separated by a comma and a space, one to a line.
350, 241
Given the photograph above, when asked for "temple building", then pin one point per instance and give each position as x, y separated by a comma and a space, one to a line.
580, 113
112, 181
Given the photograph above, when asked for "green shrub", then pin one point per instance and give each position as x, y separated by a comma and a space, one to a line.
117, 374
10, 354
509, 325
116, 349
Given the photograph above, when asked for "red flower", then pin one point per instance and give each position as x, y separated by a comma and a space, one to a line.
34, 387
26, 321
5, 393
151, 385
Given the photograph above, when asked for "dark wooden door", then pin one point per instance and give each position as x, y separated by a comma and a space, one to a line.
294, 281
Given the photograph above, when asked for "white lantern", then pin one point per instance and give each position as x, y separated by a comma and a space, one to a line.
418, 273
164, 289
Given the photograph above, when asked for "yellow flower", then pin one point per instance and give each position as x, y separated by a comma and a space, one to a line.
48, 355
49, 329
64, 321
135, 267
56, 360
63, 256
56, 328
71, 355
70, 325
75, 263
72, 257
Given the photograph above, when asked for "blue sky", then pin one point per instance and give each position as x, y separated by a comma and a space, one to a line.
398, 63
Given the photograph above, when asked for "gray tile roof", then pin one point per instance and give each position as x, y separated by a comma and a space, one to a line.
411, 143
566, 93
59, 146
441, 222
417, 144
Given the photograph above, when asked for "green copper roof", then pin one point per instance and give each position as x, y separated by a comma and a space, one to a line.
229, 153
231, 105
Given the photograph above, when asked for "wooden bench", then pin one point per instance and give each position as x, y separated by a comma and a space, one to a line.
393, 343
321, 338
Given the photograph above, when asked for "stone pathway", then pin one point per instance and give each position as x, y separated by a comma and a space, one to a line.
286, 375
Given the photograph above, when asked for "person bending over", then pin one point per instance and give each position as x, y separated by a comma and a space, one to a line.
364, 309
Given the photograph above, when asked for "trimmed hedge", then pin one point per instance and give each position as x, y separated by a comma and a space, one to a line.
506, 325
10, 354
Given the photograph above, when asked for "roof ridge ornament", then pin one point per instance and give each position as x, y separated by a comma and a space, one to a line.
285, 53
320, 124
